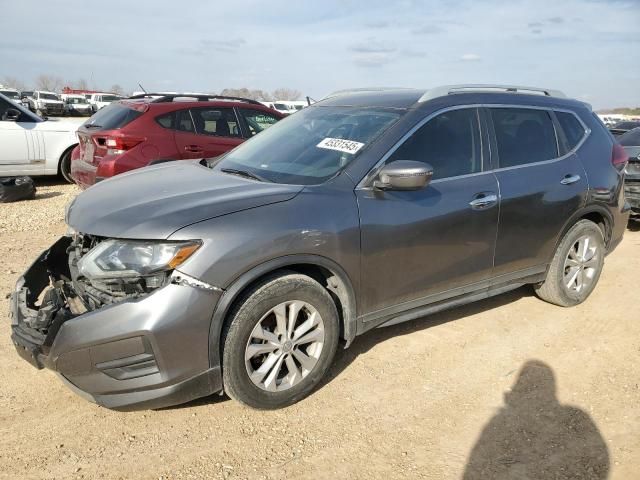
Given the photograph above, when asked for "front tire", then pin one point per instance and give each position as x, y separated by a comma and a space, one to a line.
576, 266
279, 341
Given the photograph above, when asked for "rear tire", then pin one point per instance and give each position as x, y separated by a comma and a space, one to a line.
65, 166
279, 341
576, 266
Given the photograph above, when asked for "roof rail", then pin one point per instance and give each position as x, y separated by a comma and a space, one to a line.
365, 89
201, 97
451, 89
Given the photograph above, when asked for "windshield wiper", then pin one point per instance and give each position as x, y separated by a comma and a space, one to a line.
243, 173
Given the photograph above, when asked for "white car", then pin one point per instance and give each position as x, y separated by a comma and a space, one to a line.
100, 100
30, 145
11, 93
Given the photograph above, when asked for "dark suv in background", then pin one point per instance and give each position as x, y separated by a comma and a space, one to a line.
243, 273
151, 128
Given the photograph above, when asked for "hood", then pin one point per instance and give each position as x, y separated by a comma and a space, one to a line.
154, 202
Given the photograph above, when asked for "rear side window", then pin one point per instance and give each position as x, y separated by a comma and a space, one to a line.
572, 128
115, 115
450, 143
220, 122
184, 123
524, 136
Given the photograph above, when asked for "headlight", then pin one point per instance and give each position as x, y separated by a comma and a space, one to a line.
129, 258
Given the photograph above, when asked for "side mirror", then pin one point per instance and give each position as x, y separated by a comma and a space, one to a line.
404, 175
11, 115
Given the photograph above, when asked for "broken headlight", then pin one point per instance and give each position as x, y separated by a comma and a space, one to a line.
130, 258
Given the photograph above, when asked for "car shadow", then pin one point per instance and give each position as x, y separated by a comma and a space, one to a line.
534, 436
41, 196
49, 181
634, 225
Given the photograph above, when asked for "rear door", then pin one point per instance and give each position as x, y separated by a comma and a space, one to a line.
541, 187
207, 132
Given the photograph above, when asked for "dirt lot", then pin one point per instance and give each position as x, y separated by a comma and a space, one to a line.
419, 400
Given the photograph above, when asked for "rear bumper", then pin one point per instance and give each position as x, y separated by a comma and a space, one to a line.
83, 173
149, 352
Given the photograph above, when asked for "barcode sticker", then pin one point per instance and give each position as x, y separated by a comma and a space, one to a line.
347, 146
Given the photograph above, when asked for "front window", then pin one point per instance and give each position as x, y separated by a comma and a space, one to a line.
257, 120
310, 147
110, 98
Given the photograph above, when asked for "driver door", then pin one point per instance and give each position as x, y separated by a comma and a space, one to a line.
16, 139
422, 246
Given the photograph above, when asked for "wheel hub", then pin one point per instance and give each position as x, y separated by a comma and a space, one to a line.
284, 346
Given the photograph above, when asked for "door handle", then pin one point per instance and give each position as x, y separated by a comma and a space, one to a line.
483, 200
193, 148
569, 179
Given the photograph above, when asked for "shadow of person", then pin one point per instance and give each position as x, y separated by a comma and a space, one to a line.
535, 437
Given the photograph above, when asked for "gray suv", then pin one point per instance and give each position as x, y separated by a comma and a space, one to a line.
245, 272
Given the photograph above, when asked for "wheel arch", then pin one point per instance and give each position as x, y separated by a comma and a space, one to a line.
68, 150
599, 215
327, 272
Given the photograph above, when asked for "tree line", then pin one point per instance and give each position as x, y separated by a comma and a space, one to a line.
54, 83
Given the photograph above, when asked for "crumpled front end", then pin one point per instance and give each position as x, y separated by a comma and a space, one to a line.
126, 344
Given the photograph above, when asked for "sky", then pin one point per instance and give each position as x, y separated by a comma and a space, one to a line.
590, 49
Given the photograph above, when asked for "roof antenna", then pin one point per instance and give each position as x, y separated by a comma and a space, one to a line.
142, 88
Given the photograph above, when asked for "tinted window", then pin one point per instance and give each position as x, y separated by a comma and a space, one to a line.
166, 120
450, 143
220, 122
4, 106
631, 138
311, 146
115, 115
524, 136
257, 120
572, 128
184, 122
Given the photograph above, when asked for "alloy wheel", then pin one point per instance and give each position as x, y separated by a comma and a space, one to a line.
284, 346
581, 264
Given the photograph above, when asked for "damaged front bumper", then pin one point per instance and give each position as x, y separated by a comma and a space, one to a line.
148, 351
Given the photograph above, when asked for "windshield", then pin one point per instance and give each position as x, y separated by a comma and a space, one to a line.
110, 98
281, 106
77, 100
115, 115
48, 96
12, 95
311, 146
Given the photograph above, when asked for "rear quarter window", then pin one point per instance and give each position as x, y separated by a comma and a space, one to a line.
573, 130
115, 115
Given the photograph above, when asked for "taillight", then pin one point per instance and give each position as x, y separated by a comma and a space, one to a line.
619, 157
120, 144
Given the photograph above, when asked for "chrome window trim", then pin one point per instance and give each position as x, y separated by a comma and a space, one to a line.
369, 177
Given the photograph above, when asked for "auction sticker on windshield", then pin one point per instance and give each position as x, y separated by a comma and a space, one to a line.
347, 146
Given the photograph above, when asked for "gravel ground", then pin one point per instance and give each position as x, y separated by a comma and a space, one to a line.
41, 213
510, 387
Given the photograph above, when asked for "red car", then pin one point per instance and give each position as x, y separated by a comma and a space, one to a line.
152, 128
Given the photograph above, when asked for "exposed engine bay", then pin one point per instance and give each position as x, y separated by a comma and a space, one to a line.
58, 291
